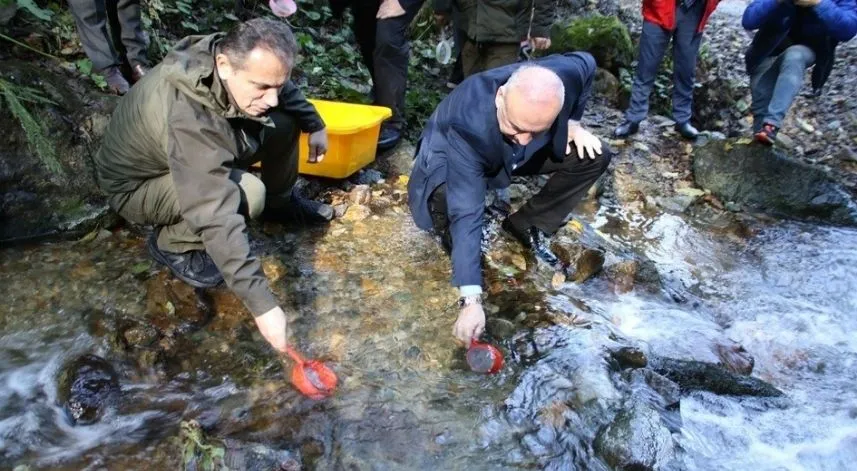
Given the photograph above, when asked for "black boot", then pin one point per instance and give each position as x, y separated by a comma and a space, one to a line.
388, 138
299, 210
687, 130
626, 129
535, 240
195, 267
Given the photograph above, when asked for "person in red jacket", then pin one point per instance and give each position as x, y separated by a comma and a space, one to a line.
681, 21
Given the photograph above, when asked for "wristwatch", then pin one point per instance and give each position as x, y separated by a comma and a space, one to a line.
469, 300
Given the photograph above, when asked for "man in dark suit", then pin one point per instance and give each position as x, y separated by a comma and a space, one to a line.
521, 119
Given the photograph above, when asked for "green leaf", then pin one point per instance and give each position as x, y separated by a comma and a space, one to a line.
34, 10
99, 81
84, 66
230, 16
140, 267
190, 25
312, 15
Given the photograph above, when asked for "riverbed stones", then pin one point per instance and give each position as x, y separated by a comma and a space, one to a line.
86, 386
637, 439
770, 181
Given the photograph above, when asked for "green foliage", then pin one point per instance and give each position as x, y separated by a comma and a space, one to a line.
605, 37
15, 96
196, 454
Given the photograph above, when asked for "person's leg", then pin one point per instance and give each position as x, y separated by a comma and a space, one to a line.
793, 64
762, 83
653, 44
470, 57
90, 16
499, 54
440, 217
133, 38
391, 62
686, 42
364, 28
548, 209
278, 152
459, 36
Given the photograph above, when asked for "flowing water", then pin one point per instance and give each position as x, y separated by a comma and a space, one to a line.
372, 299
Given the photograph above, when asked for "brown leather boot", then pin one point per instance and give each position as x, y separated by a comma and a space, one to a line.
116, 83
138, 71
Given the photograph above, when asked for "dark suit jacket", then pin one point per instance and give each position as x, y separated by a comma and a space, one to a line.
463, 147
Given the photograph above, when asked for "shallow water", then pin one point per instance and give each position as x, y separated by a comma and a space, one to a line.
371, 298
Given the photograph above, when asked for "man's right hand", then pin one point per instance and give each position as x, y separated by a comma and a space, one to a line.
470, 323
273, 326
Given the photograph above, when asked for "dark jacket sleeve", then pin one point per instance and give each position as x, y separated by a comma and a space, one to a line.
759, 12
465, 199
198, 150
585, 74
839, 17
293, 102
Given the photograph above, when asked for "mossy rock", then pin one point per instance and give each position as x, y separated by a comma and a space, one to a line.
605, 37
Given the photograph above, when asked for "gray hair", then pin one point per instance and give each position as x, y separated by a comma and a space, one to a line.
539, 84
274, 36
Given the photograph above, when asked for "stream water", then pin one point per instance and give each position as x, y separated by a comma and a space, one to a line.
372, 299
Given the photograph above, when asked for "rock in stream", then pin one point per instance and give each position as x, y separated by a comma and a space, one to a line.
86, 386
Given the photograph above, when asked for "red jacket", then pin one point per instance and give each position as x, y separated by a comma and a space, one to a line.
662, 12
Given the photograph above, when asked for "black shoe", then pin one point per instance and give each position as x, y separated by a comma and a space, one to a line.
195, 267
626, 129
300, 210
687, 130
535, 240
388, 138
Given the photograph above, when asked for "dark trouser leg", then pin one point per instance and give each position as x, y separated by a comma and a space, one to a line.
499, 54
156, 202
471, 58
91, 19
440, 217
391, 61
653, 44
278, 153
131, 31
571, 179
686, 43
364, 27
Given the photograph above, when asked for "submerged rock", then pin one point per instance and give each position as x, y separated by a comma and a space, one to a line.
637, 439
86, 386
697, 375
768, 180
735, 358
202, 453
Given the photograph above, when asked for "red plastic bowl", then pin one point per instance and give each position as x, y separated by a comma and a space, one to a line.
484, 357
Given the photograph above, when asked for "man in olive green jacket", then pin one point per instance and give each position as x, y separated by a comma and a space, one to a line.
172, 154
499, 31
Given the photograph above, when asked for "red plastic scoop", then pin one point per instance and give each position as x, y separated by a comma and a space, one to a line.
484, 357
312, 378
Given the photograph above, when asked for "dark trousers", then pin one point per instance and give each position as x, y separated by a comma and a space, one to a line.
385, 48
653, 45
109, 30
548, 209
479, 57
156, 201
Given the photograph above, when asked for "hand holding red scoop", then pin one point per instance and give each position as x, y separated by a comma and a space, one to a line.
312, 378
484, 357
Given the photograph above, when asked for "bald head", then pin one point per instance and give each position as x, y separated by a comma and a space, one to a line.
529, 102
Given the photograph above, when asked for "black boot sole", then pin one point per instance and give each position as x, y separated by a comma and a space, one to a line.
155, 252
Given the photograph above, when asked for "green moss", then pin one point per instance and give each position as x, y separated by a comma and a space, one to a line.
605, 37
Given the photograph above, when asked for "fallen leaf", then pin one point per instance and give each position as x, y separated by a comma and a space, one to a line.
558, 280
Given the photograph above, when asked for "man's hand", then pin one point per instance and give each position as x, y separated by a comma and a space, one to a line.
317, 146
584, 141
470, 323
807, 3
273, 326
389, 9
540, 44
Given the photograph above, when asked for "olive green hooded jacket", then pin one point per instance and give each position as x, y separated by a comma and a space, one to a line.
179, 119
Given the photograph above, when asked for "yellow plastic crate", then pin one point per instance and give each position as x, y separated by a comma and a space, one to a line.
352, 132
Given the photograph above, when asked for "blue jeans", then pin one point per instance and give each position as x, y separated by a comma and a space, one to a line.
776, 82
653, 44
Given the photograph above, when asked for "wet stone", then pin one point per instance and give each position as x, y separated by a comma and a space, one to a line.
140, 336
629, 357
86, 386
735, 358
412, 352
636, 439
360, 194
